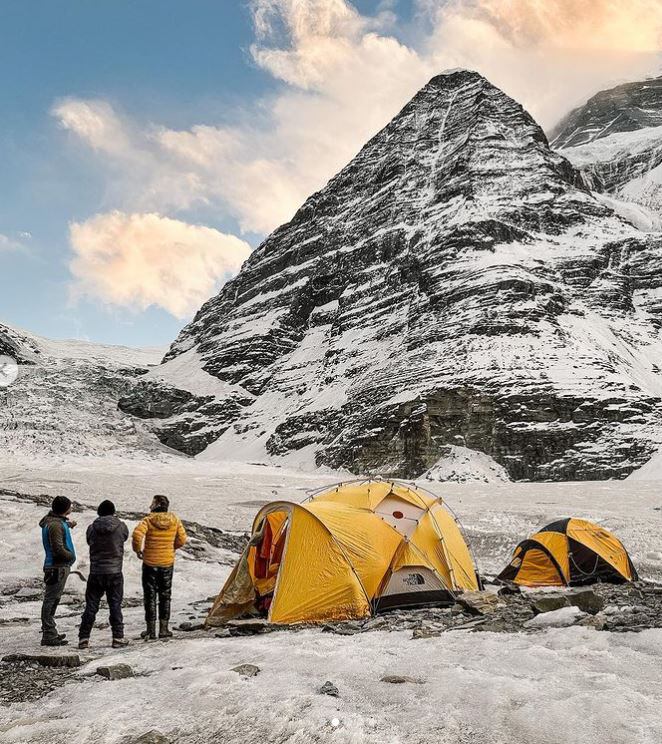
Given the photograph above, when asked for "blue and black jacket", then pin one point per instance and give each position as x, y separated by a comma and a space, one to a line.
58, 545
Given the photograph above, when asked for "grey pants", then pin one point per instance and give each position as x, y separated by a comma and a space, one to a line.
54, 583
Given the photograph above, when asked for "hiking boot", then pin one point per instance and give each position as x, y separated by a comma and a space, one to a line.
164, 631
55, 641
83, 643
120, 642
149, 634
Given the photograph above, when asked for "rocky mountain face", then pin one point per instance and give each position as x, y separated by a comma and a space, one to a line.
64, 400
625, 108
615, 139
455, 285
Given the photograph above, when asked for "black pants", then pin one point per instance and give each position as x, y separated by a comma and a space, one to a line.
54, 582
157, 583
112, 585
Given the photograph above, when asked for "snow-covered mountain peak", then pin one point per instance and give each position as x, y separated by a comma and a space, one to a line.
626, 108
615, 139
455, 284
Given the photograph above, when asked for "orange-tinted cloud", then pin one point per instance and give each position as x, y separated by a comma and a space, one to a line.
138, 260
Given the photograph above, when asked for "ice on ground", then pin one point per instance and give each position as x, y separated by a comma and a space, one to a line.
564, 617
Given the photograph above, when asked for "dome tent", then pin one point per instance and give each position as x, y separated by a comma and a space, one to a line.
570, 552
347, 552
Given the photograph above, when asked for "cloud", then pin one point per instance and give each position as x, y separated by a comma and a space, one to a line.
95, 122
341, 76
551, 55
138, 260
603, 25
10, 245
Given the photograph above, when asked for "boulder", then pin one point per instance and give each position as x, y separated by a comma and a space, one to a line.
189, 627
151, 737
46, 660
28, 592
549, 603
479, 603
253, 626
426, 633
328, 688
587, 601
116, 671
246, 670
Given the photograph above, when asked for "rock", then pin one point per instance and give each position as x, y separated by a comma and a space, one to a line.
223, 633
587, 601
116, 671
426, 633
508, 588
550, 602
479, 603
376, 623
253, 626
14, 620
28, 592
189, 627
561, 618
398, 679
345, 629
328, 688
470, 625
151, 737
598, 622
246, 670
46, 660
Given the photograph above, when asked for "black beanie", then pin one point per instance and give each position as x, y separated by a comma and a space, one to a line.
60, 505
160, 503
106, 509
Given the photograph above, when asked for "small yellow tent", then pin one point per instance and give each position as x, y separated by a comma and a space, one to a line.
345, 553
570, 552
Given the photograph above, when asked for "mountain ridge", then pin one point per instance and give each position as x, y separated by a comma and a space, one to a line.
456, 284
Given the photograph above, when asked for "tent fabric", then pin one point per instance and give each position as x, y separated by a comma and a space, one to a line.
537, 569
331, 557
570, 552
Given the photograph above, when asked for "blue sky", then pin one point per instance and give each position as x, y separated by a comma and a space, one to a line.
159, 62
147, 145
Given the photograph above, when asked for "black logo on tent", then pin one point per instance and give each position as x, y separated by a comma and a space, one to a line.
413, 579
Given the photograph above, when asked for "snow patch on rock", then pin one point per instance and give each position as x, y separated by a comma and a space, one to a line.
462, 464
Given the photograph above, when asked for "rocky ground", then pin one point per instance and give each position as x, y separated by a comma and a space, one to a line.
464, 674
500, 609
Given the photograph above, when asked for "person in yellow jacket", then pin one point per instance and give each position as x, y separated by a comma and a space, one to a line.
155, 541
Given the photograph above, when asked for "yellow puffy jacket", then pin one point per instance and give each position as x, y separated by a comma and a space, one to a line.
157, 537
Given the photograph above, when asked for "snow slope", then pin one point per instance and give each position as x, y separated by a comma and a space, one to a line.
64, 401
615, 139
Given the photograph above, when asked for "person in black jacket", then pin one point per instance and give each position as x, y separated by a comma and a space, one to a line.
60, 555
106, 537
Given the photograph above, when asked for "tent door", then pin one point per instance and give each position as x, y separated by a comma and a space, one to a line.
413, 586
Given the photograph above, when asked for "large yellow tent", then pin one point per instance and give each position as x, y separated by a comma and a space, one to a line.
570, 552
347, 552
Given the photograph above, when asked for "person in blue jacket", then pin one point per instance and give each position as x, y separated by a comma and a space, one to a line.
60, 556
